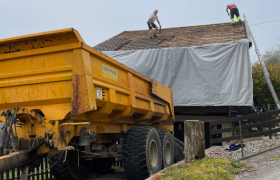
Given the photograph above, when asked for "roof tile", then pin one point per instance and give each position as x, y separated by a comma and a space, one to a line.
175, 37
111, 44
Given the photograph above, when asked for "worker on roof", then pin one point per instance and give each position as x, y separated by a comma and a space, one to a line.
152, 25
233, 11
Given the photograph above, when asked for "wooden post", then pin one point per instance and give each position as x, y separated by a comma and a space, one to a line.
24, 174
270, 134
240, 129
18, 173
7, 172
2, 154
209, 134
48, 173
270, 127
13, 174
42, 168
194, 140
226, 134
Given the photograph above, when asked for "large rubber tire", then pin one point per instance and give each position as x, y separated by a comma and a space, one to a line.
167, 145
141, 153
54, 166
69, 169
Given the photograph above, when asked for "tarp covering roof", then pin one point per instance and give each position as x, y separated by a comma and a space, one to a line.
209, 75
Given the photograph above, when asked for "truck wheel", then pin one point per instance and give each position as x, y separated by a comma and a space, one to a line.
54, 166
141, 153
69, 169
167, 145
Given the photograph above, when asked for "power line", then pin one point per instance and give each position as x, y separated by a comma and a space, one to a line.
265, 22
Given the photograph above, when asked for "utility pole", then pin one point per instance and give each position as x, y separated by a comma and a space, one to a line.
265, 72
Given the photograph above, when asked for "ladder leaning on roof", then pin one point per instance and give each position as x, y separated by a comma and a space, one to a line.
265, 72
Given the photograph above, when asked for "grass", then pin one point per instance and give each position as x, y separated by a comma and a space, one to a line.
275, 159
207, 168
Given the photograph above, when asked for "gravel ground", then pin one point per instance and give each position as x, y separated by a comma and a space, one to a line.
263, 165
251, 147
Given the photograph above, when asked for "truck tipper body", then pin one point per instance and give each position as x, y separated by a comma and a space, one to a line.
59, 96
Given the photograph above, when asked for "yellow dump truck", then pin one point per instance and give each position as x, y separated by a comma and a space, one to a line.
59, 96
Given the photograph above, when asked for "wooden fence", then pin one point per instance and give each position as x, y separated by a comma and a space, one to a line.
266, 119
15, 173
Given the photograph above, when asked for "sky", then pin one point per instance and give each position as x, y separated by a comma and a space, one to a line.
99, 20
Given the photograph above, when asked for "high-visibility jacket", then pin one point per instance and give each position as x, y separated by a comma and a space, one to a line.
230, 6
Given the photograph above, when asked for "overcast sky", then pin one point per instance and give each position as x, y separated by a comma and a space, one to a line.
98, 20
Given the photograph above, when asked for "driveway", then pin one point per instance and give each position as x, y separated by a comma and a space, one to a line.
264, 168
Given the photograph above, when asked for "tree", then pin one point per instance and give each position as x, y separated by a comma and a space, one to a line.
262, 95
272, 56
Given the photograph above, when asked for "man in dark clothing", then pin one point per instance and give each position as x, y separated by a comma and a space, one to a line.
233, 11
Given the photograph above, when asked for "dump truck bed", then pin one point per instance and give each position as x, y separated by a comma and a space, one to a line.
60, 77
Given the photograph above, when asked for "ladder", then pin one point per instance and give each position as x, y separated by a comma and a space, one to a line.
265, 72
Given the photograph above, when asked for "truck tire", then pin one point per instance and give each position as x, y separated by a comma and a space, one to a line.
69, 169
54, 166
167, 145
141, 153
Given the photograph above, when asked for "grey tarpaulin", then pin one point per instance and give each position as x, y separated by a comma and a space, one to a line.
210, 75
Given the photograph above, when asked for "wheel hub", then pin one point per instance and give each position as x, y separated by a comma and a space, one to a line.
153, 153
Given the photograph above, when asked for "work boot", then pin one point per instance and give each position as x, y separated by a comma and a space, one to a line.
239, 19
151, 37
155, 35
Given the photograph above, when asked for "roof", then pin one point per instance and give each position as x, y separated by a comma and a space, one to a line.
175, 37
